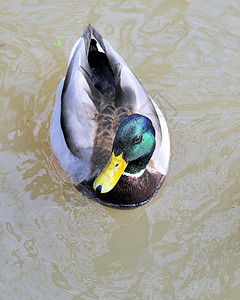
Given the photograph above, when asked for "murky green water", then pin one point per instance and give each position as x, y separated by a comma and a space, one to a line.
185, 243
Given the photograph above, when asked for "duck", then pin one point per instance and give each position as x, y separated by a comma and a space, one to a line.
106, 132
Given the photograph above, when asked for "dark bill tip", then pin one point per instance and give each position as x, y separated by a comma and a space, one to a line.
99, 188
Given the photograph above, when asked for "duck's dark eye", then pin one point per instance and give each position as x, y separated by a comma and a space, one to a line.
138, 139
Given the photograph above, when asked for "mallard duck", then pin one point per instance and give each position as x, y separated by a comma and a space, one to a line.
106, 131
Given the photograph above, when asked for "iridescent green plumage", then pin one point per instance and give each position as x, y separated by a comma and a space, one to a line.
135, 138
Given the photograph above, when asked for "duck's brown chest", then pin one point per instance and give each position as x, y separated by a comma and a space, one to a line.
129, 191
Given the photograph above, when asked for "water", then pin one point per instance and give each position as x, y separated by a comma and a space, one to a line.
184, 244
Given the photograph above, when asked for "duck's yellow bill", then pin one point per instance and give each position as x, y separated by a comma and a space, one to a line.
110, 175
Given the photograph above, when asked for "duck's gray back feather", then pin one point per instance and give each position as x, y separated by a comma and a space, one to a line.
78, 169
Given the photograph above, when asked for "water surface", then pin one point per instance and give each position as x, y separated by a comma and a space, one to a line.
184, 244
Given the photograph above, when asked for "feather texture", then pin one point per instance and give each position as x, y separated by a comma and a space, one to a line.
97, 94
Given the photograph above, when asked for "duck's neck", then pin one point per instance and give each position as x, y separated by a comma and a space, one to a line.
139, 165
136, 175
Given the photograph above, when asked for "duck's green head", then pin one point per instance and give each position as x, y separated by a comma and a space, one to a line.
133, 147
